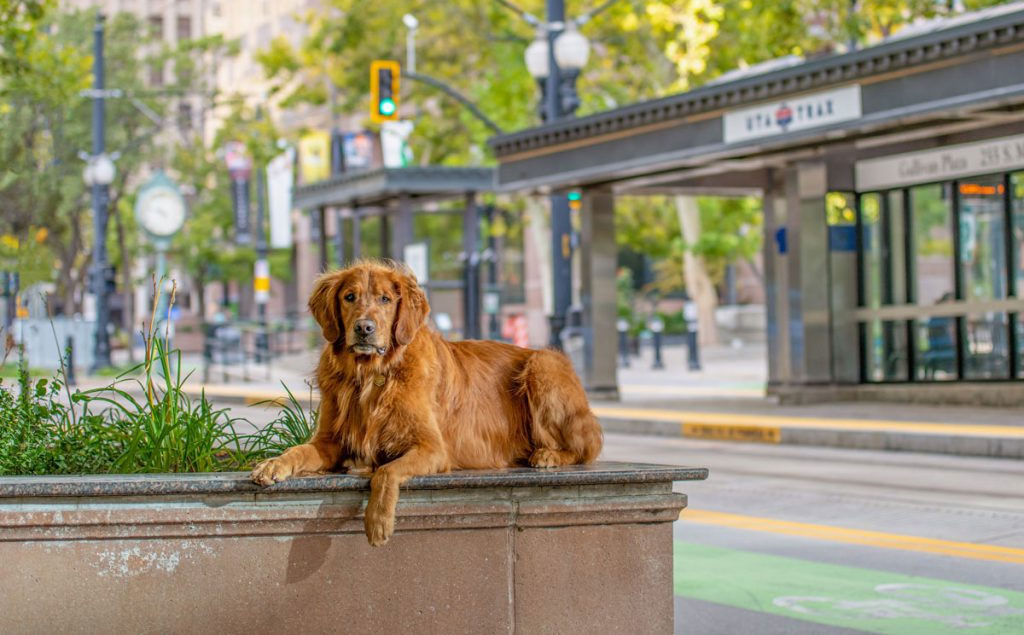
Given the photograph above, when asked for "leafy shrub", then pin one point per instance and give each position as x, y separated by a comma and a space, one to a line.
40, 434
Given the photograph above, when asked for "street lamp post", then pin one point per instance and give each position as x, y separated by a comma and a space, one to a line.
554, 59
100, 173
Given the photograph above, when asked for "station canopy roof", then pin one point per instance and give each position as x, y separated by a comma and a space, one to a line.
941, 77
382, 187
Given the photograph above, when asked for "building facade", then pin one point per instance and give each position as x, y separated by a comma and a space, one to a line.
893, 187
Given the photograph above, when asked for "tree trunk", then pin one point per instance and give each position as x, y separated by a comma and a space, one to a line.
695, 272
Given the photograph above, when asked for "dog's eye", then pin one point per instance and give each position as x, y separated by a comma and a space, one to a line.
350, 297
385, 299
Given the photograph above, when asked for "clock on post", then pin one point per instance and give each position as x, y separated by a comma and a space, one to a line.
160, 208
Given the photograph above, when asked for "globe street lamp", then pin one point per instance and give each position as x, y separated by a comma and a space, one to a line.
571, 53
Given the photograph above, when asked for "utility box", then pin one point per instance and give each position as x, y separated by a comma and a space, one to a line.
45, 341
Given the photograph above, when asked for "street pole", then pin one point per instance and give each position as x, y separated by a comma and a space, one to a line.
262, 294
99, 205
561, 226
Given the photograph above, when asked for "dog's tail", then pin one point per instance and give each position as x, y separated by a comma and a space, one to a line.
560, 417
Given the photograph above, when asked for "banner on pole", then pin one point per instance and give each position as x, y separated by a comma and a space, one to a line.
315, 156
261, 281
240, 201
280, 181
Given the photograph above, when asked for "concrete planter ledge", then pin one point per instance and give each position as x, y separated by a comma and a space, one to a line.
516, 550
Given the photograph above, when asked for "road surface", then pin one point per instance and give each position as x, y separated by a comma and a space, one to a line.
785, 539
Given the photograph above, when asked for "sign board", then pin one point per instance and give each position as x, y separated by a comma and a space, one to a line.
280, 180
417, 256
358, 148
791, 115
941, 164
394, 143
492, 302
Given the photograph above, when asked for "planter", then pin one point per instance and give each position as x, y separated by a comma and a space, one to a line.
519, 550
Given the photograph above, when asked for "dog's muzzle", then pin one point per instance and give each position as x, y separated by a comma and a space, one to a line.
365, 332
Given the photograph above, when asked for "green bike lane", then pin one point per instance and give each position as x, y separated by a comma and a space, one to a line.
730, 580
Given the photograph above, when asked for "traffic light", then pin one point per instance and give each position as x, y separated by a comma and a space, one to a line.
384, 80
575, 200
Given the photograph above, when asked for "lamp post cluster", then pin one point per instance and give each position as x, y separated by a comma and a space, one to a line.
554, 59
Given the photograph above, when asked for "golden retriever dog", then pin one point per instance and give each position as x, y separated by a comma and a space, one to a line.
397, 400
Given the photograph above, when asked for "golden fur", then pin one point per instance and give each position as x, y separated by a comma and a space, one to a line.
418, 404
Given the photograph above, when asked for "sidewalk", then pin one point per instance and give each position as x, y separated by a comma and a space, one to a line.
723, 402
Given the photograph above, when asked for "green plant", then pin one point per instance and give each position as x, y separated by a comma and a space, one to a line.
294, 425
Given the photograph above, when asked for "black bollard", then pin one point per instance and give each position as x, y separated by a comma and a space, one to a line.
69, 364
690, 313
623, 327
657, 326
694, 352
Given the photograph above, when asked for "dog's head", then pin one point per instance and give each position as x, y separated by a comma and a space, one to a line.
369, 308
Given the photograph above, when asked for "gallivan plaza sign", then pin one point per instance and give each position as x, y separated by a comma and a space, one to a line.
942, 164
790, 115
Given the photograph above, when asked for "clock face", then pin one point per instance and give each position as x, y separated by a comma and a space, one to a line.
162, 211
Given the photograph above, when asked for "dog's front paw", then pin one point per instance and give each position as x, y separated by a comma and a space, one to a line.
271, 471
379, 524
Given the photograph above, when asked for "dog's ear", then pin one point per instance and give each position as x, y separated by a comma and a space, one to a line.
323, 304
413, 309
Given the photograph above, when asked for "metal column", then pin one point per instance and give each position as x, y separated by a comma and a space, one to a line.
320, 224
339, 238
598, 261
471, 308
99, 205
401, 232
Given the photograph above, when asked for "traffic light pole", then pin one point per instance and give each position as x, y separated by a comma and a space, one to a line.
99, 205
561, 226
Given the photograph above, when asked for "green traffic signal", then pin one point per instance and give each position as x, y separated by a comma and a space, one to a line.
386, 107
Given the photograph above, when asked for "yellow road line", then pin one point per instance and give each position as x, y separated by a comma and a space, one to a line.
856, 536
727, 419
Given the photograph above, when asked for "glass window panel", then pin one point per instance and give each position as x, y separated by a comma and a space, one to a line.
933, 243
936, 350
985, 348
897, 248
886, 344
369, 237
872, 239
443, 232
841, 218
982, 239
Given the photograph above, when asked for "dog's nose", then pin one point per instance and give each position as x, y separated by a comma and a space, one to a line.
365, 327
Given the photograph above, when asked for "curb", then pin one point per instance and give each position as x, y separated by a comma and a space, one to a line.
1009, 445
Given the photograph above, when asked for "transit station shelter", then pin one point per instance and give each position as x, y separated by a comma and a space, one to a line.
893, 188
391, 197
